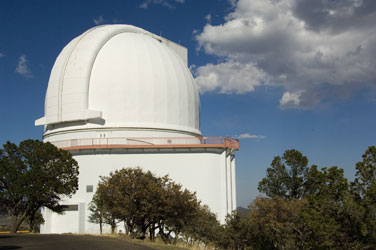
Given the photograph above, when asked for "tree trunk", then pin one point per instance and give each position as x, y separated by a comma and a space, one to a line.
162, 233
152, 232
31, 225
113, 225
100, 222
31, 222
126, 227
15, 223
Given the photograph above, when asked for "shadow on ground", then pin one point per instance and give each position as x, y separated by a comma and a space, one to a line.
63, 242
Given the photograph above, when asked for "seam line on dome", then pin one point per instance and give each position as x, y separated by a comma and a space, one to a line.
102, 44
86, 76
62, 75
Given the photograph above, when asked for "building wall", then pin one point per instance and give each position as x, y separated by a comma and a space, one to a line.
207, 171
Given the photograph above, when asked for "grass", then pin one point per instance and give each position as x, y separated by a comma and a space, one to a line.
8, 232
158, 243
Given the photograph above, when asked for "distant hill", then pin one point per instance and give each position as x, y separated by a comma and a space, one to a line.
243, 212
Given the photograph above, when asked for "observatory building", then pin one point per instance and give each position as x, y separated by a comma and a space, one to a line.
119, 96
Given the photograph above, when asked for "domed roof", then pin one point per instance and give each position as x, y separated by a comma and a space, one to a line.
125, 77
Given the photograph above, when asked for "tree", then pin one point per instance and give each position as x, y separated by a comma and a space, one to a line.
235, 234
103, 206
34, 221
98, 212
275, 223
149, 204
285, 177
310, 208
34, 175
365, 182
179, 210
203, 227
364, 190
329, 211
132, 196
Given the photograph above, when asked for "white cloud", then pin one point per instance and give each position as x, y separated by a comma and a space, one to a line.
2, 55
290, 99
315, 51
208, 18
250, 136
23, 68
229, 77
98, 20
167, 3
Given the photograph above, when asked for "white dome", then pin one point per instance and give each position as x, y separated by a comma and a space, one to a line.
120, 76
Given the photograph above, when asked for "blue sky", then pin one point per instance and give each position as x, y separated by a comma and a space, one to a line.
278, 74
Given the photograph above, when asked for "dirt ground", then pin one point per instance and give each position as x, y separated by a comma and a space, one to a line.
65, 242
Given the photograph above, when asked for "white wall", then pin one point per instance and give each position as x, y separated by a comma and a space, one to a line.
209, 173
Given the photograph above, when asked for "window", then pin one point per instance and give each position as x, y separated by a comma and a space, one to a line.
70, 208
89, 188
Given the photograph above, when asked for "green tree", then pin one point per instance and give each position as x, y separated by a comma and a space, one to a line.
137, 199
235, 234
34, 222
149, 204
134, 197
203, 227
364, 190
98, 212
285, 177
34, 175
329, 211
179, 210
103, 206
275, 223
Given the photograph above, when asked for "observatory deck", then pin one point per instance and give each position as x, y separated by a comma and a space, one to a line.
151, 142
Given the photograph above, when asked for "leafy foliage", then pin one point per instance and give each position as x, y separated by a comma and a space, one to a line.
202, 227
327, 211
32, 175
308, 208
286, 175
364, 191
276, 224
235, 234
149, 204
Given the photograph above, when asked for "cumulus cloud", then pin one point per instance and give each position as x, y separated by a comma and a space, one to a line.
167, 3
23, 67
313, 49
290, 99
229, 77
98, 20
250, 136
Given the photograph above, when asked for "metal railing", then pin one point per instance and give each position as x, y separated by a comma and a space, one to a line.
148, 142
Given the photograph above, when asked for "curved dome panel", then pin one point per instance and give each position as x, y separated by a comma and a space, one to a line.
125, 76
